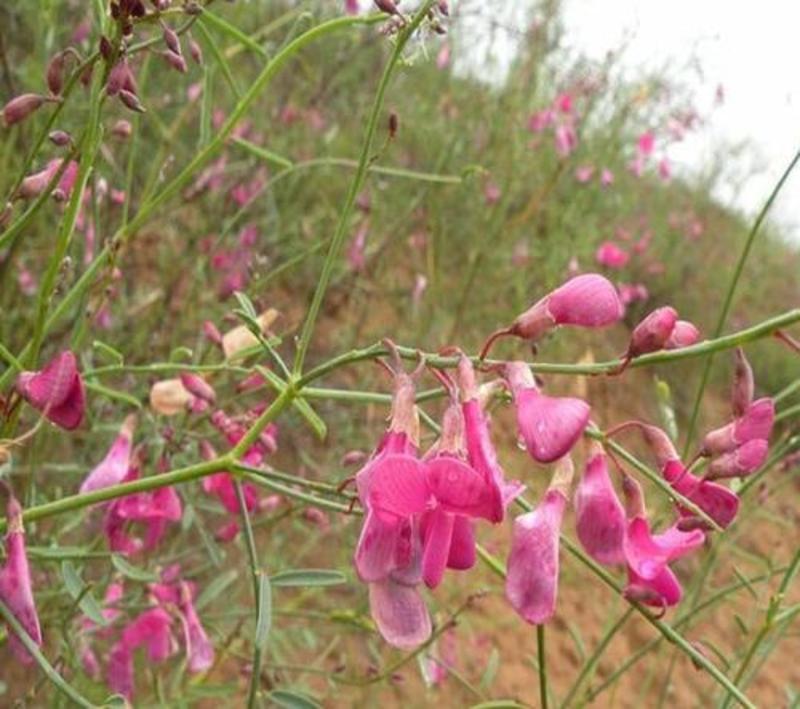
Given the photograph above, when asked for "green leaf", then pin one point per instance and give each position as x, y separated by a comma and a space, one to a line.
108, 353
246, 306
215, 588
80, 592
487, 679
308, 577
131, 571
292, 699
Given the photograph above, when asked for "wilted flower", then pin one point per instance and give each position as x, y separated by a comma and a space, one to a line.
532, 577
114, 467
56, 391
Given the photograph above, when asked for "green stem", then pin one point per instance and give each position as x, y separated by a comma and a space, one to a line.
726, 306
50, 672
355, 187
541, 661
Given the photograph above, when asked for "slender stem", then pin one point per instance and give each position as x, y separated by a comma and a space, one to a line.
50, 672
726, 306
541, 661
355, 187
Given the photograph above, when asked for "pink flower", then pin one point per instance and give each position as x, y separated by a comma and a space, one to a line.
740, 462
532, 576
633, 292
550, 426
664, 169
564, 102
610, 255
684, 334
56, 391
15, 583
492, 192
351, 7
652, 333
356, 252
566, 139
540, 120
716, 501
600, 517
155, 509
588, 300
646, 143
114, 467
755, 423
606, 177
584, 173
443, 57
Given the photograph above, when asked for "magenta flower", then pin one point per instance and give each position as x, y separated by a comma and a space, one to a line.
540, 120
154, 509
549, 425
652, 333
114, 467
584, 173
566, 139
606, 177
650, 579
609, 255
646, 143
56, 391
746, 459
532, 575
588, 300
15, 583
755, 423
633, 292
600, 517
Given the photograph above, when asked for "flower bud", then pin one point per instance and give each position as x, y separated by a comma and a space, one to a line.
122, 129
387, 6
195, 52
171, 40
240, 338
60, 138
22, 106
169, 397
199, 387
652, 333
684, 334
746, 459
131, 101
176, 61
756, 423
743, 384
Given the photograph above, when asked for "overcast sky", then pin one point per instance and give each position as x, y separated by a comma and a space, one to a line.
751, 49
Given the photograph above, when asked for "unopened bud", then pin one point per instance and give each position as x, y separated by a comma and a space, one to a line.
634, 497
169, 397
60, 138
131, 101
20, 107
171, 40
55, 74
106, 50
195, 51
176, 61
122, 129
652, 333
387, 6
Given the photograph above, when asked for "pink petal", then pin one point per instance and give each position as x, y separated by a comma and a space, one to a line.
57, 391
550, 426
400, 614
647, 555
438, 536
461, 489
532, 577
463, 554
113, 468
120, 670
399, 487
600, 517
588, 300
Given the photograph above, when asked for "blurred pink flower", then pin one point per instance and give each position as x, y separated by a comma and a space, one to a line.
584, 173
610, 255
606, 177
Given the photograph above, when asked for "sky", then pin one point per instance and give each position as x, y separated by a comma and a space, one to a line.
750, 49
